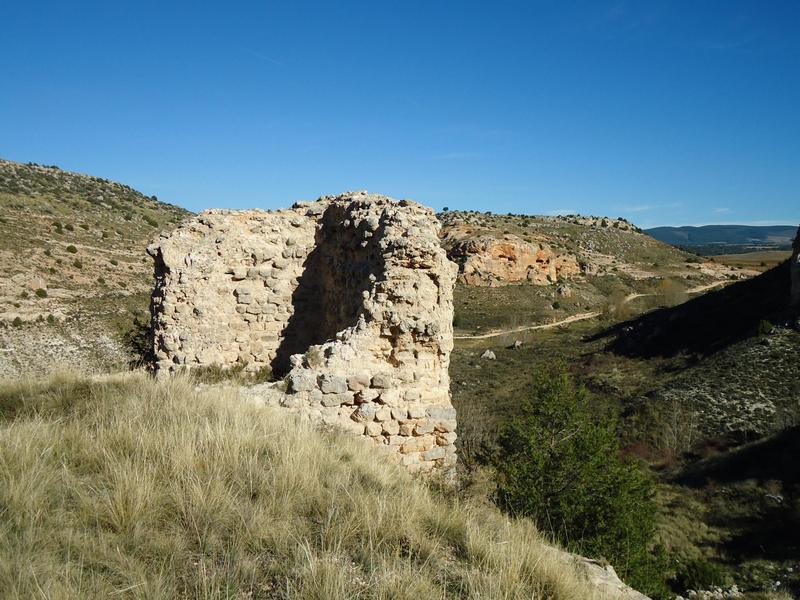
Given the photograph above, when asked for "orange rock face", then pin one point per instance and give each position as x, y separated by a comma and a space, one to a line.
496, 262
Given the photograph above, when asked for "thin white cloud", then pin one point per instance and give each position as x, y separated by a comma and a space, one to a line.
637, 208
456, 155
263, 57
722, 210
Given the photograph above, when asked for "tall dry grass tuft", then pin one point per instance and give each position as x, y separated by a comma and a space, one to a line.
127, 488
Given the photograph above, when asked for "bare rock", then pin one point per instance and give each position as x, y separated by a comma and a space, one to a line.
488, 261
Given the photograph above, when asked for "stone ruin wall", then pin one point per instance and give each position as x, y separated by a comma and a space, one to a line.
348, 299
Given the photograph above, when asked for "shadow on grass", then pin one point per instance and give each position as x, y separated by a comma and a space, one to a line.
705, 324
760, 502
773, 458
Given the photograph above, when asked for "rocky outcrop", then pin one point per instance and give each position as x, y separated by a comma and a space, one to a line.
488, 261
794, 268
348, 299
605, 580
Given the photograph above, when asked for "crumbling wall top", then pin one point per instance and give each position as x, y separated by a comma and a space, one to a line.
348, 299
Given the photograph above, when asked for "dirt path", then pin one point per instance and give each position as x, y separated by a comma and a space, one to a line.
703, 288
579, 317
572, 319
695, 290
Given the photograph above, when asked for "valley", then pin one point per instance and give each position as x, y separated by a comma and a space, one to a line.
694, 357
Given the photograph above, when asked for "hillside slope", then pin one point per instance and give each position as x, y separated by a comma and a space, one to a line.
576, 264
124, 487
600, 244
708, 323
72, 264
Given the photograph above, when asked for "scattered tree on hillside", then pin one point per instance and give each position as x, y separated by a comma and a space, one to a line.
561, 466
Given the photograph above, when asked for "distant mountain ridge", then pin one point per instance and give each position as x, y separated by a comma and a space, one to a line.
779, 236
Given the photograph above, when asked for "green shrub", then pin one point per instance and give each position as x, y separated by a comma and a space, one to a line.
51, 320
114, 262
41, 293
17, 322
69, 227
84, 226
561, 466
24, 295
47, 252
150, 221
764, 327
72, 249
702, 574
77, 264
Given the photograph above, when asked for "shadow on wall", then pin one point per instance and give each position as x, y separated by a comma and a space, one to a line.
329, 294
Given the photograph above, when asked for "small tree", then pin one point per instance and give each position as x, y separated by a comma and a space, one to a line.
672, 292
617, 306
561, 466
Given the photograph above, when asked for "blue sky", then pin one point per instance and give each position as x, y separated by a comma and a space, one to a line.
663, 112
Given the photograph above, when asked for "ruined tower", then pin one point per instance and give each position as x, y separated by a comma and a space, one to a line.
347, 299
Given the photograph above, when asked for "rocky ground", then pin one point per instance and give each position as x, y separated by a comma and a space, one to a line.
73, 267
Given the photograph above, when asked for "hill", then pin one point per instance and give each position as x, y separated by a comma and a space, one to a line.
74, 270
600, 244
612, 259
689, 381
741, 237
710, 322
126, 487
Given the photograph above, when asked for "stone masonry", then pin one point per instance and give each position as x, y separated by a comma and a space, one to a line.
347, 299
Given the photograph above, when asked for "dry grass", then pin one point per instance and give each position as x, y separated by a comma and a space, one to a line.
761, 261
128, 488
